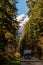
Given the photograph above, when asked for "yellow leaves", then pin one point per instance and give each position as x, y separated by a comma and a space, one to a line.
1, 15
40, 43
17, 54
41, 38
0, 4
15, 25
8, 35
7, 8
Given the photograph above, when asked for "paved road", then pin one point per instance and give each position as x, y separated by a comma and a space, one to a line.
31, 63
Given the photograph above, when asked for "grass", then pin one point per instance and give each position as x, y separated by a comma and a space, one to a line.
16, 61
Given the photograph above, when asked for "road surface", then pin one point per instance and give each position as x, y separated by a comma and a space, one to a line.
24, 62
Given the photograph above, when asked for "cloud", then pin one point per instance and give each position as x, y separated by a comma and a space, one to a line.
22, 19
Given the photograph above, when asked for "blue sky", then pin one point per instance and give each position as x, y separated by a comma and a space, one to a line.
22, 9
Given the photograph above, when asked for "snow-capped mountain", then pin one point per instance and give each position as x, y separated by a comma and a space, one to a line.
22, 19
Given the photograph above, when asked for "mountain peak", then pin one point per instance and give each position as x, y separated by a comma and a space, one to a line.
22, 19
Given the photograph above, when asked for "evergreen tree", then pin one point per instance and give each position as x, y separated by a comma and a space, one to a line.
33, 29
8, 30
36, 20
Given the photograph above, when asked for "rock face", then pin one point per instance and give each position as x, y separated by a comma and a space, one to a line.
22, 19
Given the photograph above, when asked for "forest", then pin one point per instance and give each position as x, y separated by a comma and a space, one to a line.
12, 48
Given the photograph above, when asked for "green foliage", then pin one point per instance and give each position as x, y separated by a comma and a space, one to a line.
10, 60
33, 29
8, 30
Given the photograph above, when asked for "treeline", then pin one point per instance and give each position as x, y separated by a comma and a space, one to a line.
32, 37
8, 31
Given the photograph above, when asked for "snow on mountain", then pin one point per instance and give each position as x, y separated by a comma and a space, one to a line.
22, 19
